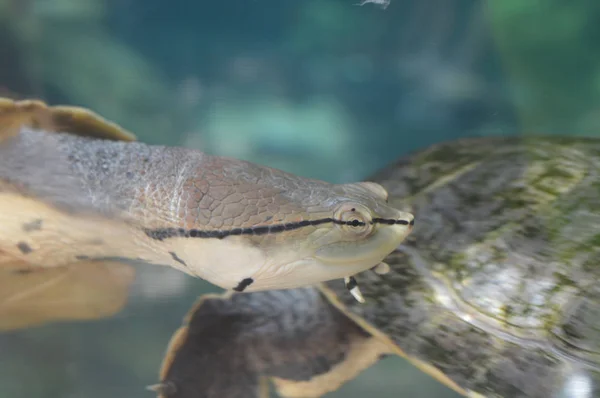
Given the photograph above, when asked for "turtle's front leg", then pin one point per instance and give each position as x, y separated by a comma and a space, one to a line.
352, 286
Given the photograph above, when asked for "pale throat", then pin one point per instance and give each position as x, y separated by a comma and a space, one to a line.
235, 263
224, 262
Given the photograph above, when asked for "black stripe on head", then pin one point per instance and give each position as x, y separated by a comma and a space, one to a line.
166, 233
392, 222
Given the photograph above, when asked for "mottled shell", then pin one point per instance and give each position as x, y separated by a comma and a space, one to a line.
496, 291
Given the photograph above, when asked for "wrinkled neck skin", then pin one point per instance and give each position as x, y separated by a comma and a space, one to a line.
145, 193
152, 183
78, 191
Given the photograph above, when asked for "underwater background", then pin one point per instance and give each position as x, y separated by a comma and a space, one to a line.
327, 89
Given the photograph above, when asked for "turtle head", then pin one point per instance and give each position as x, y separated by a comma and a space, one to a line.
365, 228
273, 230
341, 231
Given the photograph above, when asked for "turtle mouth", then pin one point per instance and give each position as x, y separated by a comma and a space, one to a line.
366, 255
368, 252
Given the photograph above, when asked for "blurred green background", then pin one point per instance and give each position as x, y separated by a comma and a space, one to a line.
322, 88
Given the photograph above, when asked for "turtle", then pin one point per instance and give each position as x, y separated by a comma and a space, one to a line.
495, 293
81, 200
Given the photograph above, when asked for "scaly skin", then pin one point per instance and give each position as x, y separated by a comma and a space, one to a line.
239, 225
495, 293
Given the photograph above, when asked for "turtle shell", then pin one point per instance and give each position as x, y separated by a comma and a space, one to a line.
34, 295
67, 119
496, 291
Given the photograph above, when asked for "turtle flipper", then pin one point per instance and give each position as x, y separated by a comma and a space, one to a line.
83, 291
231, 345
68, 119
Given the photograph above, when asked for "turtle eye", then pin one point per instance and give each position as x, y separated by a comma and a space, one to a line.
354, 218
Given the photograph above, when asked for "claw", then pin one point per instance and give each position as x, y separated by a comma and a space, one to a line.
352, 286
162, 388
381, 269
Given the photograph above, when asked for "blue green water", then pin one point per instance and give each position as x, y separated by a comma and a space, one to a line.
322, 88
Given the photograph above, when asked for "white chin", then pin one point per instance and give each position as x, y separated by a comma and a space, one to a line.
302, 273
233, 264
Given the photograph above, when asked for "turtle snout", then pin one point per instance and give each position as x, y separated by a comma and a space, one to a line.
411, 221
396, 217
407, 219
